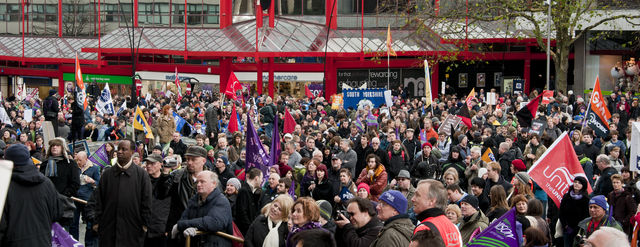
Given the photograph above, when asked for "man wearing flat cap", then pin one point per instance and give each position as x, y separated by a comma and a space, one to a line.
472, 217
160, 201
182, 182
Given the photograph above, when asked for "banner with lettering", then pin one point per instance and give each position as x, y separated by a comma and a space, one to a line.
351, 97
501, 232
556, 169
317, 90
598, 114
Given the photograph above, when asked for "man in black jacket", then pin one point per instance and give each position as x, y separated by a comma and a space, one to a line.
177, 145
604, 186
375, 149
50, 109
34, 199
248, 201
362, 226
160, 202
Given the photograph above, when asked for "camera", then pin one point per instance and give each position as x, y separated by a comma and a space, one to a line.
343, 212
170, 163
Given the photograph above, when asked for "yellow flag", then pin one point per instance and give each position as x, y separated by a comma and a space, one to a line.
427, 84
488, 156
36, 161
471, 95
390, 50
140, 123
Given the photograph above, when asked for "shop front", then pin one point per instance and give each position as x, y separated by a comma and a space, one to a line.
157, 83
94, 83
33, 86
411, 79
286, 83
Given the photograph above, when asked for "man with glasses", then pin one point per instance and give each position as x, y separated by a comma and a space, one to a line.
360, 227
397, 229
223, 171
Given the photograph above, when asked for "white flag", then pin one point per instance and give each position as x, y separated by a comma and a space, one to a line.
105, 103
4, 117
634, 156
122, 107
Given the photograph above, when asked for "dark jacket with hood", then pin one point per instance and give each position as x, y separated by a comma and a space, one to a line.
360, 237
505, 164
211, 215
574, 208
397, 231
31, 207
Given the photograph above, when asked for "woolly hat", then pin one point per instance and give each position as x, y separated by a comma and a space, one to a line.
482, 171
235, 182
427, 144
472, 200
224, 160
208, 148
601, 201
519, 165
19, 154
283, 170
395, 199
523, 177
325, 209
364, 186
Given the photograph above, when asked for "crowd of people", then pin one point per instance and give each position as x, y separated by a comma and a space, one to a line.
396, 180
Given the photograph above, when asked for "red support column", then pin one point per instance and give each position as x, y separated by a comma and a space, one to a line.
60, 18
435, 74
226, 13
259, 76
331, 79
272, 14
331, 14
225, 71
60, 83
135, 13
271, 81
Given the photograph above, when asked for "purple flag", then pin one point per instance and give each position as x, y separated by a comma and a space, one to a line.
256, 156
502, 232
292, 190
275, 149
371, 120
423, 136
359, 124
61, 238
100, 156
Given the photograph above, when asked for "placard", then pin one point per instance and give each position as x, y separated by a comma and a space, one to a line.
546, 96
78, 146
6, 168
48, 134
352, 97
492, 98
518, 86
445, 127
537, 127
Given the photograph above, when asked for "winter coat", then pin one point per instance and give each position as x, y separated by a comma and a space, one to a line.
165, 127
181, 189
160, 206
603, 184
376, 184
572, 211
211, 115
349, 160
324, 190
211, 215
50, 108
268, 113
623, 206
247, 206
477, 220
590, 151
362, 155
67, 180
585, 232
360, 237
397, 231
121, 206
179, 148
30, 208
505, 164
539, 150
397, 161
259, 229
425, 167
85, 190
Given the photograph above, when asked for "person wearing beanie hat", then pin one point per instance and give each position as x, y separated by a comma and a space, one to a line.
363, 191
472, 219
325, 209
574, 207
599, 216
398, 228
36, 197
523, 177
231, 192
518, 165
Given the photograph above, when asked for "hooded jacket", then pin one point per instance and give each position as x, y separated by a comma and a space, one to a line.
475, 221
31, 207
396, 231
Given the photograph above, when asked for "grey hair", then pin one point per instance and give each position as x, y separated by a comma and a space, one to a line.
436, 191
212, 175
612, 236
604, 158
476, 149
504, 145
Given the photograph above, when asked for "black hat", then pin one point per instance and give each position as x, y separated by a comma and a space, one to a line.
472, 200
196, 151
19, 154
154, 158
157, 147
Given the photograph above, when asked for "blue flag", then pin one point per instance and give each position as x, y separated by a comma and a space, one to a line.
179, 121
501, 233
275, 149
105, 103
256, 156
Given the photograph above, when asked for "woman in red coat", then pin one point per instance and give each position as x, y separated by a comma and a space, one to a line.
374, 175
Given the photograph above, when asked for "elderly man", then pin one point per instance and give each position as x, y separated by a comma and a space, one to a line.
207, 211
177, 145
160, 202
604, 186
360, 227
294, 156
120, 207
397, 228
404, 186
271, 191
89, 177
429, 203
32, 194
607, 236
472, 219
599, 217
182, 182
348, 156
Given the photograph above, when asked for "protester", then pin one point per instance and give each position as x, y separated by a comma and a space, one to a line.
361, 226
270, 227
429, 203
374, 175
248, 201
397, 227
121, 217
473, 218
89, 178
598, 217
31, 205
573, 209
160, 202
305, 216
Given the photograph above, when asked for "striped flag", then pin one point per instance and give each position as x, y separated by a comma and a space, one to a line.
140, 123
371, 120
177, 81
470, 97
82, 93
359, 124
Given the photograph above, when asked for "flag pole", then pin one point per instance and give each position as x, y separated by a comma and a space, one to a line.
586, 113
388, 70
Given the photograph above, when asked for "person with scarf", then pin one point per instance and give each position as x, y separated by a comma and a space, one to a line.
456, 161
270, 228
61, 169
622, 203
599, 216
305, 216
309, 177
323, 188
374, 175
573, 208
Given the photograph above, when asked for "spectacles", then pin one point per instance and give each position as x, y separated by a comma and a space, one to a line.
375, 143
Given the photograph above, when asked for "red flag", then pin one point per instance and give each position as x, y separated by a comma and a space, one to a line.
289, 122
232, 86
233, 121
557, 168
307, 92
81, 94
526, 114
177, 82
463, 113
